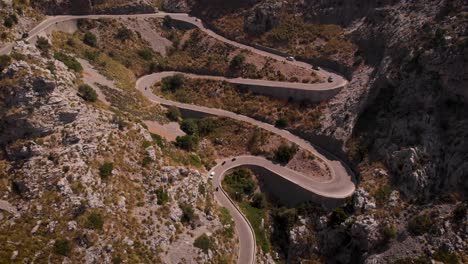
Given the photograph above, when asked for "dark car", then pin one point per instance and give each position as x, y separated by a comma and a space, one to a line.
234, 159
317, 68
224, 162
25, 35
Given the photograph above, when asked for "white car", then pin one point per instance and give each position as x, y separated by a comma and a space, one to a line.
212, 174
290, 58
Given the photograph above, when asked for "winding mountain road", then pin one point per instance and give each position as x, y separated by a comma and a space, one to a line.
339, 186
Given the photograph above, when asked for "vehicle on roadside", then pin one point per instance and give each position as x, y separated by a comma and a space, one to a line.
234, 159
330, 79
290, 58
25, 35
217, 188
224, 162
212, 174
317, 68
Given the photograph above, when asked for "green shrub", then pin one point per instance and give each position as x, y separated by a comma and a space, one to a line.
17, 55
145, 54
43, 44
459, 213
172, 83
92, 55
188, 214
90, 39
123, 34
5, 61
204, 243
259, 201
69, 61
51, 67
167, 22
285, 153
382, 194
240, 183
201, 189
173, 113
283, 219
445, 256
94, 221
71, 42
8, 22
187, 142
62, 247
162, 196
146, 161
106, 170
189, 126
206, 126
337, 217
157, 139
87, 93
388, 232
281, 123
146, 144
419, 225
237, 62
14, 18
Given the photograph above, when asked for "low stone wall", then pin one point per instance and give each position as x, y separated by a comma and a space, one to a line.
270, 50
330, 65
131, 8
314, 96
183, 24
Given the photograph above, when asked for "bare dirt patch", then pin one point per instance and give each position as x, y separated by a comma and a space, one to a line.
168, 131
308, 164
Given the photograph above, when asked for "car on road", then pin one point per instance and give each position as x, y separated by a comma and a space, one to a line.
317, 68
224, 162
330, 79
234, 159
25, 35
290, 58
212, 174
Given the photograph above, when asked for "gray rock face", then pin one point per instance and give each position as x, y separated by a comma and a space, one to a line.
407, 92
177, 5
263, 17
362, 200
365, 232
412, 176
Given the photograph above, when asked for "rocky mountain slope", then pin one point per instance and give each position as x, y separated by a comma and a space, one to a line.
79, 183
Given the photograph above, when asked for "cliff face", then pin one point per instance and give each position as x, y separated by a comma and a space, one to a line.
411, 112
